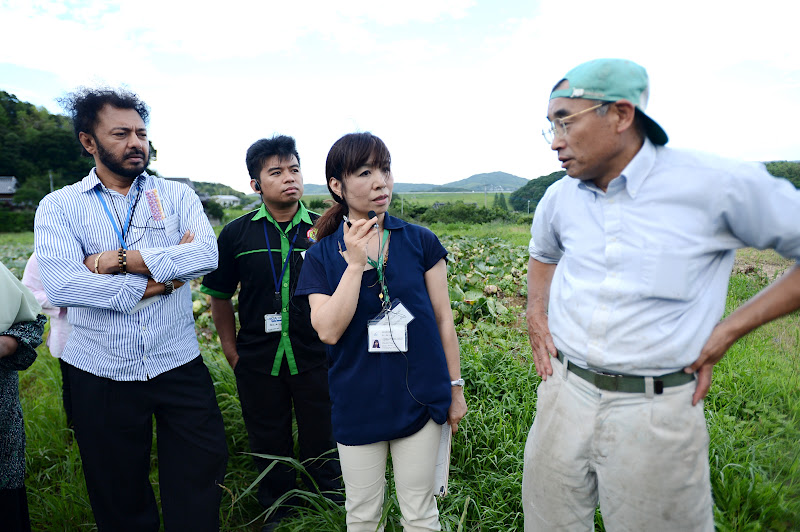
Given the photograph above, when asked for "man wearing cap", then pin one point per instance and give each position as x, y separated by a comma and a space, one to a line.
630, 257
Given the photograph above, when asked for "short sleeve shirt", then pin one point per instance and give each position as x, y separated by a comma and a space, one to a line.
244, 260
384, 396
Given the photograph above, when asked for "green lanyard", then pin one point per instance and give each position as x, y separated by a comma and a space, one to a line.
378, 265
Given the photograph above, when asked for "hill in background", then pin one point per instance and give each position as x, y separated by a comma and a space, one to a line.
492, 182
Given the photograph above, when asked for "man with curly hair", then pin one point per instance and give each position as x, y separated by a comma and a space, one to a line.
116, 248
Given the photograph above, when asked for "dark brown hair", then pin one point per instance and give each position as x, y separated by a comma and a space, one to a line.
346, 156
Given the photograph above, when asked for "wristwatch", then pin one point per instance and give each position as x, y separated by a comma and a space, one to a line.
457, 382
168, 288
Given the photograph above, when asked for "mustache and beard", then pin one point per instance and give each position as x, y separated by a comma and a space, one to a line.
119, 165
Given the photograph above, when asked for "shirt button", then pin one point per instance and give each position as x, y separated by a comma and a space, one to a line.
285, 285
283, 310
284, 334
144, 327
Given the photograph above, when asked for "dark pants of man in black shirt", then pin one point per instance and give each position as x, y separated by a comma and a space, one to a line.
267, 403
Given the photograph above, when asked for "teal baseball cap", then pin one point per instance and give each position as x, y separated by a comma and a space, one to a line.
610, 80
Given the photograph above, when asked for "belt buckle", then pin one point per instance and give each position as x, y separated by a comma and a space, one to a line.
607, 381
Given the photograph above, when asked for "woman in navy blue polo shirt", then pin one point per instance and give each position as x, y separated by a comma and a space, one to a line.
377, 287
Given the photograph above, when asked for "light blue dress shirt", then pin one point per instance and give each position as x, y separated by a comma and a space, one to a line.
643, 268
108, 338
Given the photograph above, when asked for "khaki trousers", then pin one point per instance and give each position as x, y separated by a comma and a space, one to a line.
645, 460
364, 473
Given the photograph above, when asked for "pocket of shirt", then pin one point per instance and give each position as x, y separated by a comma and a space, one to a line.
666, 274
157, 235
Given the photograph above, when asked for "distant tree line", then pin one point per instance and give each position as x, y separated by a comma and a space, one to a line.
788, 169
217, 189
33, 143
533, 192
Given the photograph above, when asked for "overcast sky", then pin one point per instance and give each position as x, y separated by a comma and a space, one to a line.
454, 87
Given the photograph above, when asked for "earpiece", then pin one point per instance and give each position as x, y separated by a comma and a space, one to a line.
258, 186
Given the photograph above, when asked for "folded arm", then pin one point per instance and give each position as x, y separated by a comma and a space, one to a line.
196, 257
67, 281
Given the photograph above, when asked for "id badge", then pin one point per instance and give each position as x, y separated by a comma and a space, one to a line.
385, 338
172, 224
388, 331
272, 323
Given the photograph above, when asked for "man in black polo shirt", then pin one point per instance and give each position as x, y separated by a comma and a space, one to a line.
278, 359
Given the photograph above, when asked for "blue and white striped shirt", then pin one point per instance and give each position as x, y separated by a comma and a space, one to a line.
109, 339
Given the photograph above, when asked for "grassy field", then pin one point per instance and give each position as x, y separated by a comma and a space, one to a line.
753, 410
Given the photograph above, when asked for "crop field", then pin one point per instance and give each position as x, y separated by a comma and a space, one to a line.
752, 411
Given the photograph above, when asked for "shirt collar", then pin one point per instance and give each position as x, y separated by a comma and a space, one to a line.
391, 223
300, 216
91, 181
639, 167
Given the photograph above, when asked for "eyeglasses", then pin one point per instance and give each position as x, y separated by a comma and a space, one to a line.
558, 128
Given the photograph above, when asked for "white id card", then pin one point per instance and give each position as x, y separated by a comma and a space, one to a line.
272, 323
388, 331
385, 338
172, 224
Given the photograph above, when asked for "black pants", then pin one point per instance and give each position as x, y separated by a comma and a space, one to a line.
66, 394
14, 510
267, 410
114, 429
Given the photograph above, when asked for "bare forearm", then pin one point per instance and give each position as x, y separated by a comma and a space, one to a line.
540, 276
154, 288
225, 322
8, 345
108, 262
331, 316
776, 300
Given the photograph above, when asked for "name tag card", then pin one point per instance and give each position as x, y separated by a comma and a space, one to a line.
272, 323
388, 331
172, 224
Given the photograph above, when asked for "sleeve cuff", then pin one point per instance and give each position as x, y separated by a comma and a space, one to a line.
541, 257
161, 268
131, 293
214, 293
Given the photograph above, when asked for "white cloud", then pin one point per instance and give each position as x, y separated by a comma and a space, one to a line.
454, 87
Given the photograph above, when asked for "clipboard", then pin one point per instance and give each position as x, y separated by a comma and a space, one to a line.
441, 471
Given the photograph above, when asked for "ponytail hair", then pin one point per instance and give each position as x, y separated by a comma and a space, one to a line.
329, 222
345, 157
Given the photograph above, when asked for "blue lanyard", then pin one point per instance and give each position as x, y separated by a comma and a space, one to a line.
285, 262
120, 235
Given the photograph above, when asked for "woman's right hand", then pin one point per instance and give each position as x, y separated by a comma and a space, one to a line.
356, 238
